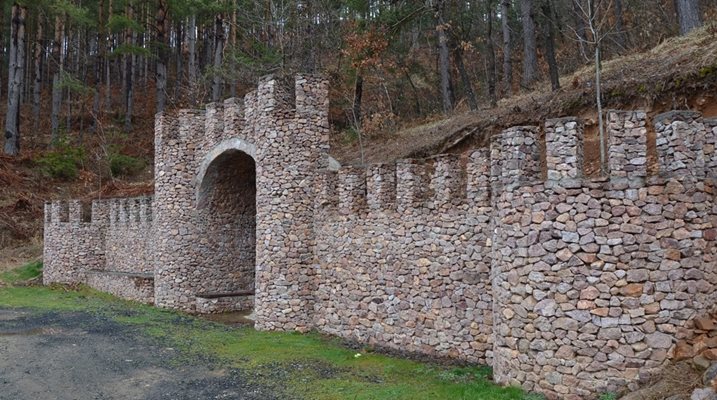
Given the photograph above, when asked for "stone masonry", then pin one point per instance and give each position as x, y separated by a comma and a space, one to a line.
565, 285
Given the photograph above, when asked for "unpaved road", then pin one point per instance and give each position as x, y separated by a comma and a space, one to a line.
80, 356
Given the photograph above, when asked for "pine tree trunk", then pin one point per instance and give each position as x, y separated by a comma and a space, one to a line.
620, 34
217, 85
443, 56
580, 29
465, 78
549, 37
57, 67
688, 15
129, 74
162, 30
37, 84
358, 95
108, 65
16, 72
490, 48
233, 38
179, 75
192, 45
530, 50
507, 47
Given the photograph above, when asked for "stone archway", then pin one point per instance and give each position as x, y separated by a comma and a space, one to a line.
226, 228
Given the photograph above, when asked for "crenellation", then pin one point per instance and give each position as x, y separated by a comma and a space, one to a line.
327, 188
60, 212
100, 212
411, 188
519, 156
352, 190
234, 121
478, 171
448, 182
74, 208
627, 147
381, 187
214, 124
710, 146
680, 143
566, 286
564, 150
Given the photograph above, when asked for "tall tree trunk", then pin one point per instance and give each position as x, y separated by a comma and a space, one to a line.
490, 47
507, 47
530, 51
620, 34
108, 64
99, 58
465, 78
162, 34
129, 72
16, 72
233, 38
37, 84
58, 63
688, 15
358, 95
580, 29
443, 56
179, 75
192, 47
217, 85
549, 36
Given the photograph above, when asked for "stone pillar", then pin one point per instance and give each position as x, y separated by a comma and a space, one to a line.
564, 151
680, 141
381, 187
101, 212
710, 148
478, 177
233, 117
213, 124
519, 155
75, 211
351, 190
627, 147
447, 183
410, 184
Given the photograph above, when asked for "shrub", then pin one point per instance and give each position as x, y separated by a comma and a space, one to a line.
121, 164
63, 162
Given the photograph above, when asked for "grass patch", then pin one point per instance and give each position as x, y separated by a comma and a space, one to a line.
24, 273
316, 367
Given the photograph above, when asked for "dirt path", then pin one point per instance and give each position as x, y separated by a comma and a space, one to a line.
80, 356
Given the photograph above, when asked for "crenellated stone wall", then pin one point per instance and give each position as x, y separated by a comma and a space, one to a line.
565, 285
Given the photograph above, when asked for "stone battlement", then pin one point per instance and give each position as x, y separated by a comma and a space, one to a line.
566, 285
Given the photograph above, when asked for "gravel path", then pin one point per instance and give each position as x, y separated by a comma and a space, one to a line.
80, 356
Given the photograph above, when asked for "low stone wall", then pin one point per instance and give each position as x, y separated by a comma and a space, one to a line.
74, 240
129, 286
216, 305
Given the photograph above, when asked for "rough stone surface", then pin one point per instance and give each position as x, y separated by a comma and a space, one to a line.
567, 286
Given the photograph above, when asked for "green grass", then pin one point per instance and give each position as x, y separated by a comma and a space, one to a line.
29, 271
368, 376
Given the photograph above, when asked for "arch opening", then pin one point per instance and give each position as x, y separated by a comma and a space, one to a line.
226, 218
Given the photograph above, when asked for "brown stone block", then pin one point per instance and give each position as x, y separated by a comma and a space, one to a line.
704, 323
683, 351
632, 290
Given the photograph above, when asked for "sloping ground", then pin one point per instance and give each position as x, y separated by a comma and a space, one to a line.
681, 73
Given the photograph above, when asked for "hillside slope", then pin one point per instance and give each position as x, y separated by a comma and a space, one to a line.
681, 73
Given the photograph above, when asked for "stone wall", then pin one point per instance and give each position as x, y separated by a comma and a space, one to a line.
567, 286
74, 240
404, 256
592, 278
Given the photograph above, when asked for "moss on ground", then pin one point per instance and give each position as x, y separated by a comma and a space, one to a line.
317, 367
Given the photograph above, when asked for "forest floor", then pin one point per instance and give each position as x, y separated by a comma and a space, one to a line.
75, 343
